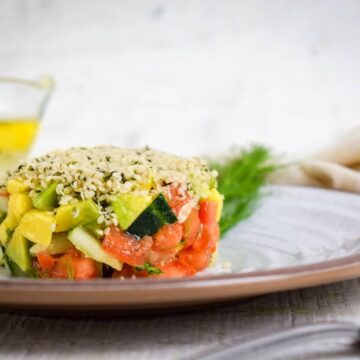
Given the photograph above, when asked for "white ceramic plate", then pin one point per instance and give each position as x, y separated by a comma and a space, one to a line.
299, 237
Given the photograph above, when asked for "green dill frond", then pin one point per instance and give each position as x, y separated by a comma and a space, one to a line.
240, 180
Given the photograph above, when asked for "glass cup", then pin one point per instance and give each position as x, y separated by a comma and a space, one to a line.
22, 106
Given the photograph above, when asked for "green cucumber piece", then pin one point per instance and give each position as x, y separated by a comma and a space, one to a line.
91, 247
153, 218
48, 199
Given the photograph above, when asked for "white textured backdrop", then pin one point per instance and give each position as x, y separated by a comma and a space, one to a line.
190, 76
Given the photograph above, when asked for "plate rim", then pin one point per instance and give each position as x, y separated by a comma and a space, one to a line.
150, 284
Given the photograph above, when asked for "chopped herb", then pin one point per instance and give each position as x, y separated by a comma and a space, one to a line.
151, 270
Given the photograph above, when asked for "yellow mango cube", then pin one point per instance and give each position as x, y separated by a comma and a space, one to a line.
38, 226
18, 205
16, 186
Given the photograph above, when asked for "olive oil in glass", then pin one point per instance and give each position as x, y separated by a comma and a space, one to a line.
16, 139
22, 105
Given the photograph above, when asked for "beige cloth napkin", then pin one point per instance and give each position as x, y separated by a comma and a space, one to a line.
336, 167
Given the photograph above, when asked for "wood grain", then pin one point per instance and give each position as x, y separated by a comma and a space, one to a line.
177, 335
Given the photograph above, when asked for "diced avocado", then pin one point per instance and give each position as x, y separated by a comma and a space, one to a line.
214, 195
128, 207
154, 217
91, 247
4, 203
19, 204
2, 216
7, 227
15, 269
38, 226
70, 216
59, 244
47, 199
16, 186
18, 250
201, 188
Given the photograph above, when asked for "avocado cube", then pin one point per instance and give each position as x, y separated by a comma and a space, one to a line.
59, 244
38, 226
47, 199
18, 250
69, 216
128, 207
7, 227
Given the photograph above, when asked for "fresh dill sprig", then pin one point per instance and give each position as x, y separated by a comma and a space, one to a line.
151, 270
240, 180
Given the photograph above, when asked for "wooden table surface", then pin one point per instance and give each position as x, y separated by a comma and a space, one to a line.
177, 335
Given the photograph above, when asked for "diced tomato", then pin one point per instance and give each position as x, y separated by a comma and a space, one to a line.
198, 259
162, 256
208, 238
71, 265
207, 212
45, 260
85, 268
175, 269
176, 199
127, 248
168, 237
191, 228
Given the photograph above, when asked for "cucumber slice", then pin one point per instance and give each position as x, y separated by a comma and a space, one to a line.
91, 247
48, 199
154, 217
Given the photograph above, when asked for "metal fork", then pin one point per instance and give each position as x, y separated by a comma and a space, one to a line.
236, 348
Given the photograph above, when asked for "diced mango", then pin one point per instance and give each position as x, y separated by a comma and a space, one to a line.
70, 216
7, 227
214, 195
16, 186
18, 250
38, 226
128, 207
18, 205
